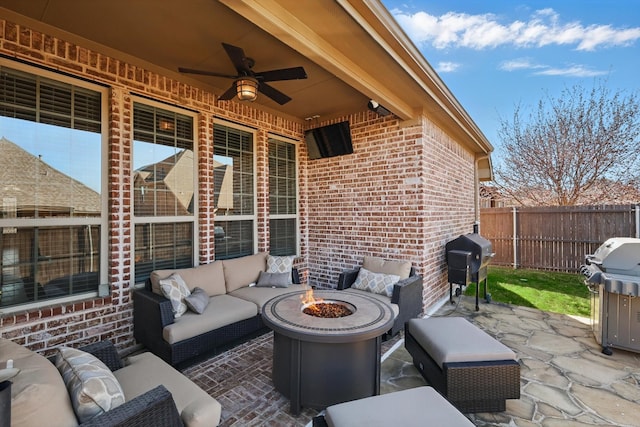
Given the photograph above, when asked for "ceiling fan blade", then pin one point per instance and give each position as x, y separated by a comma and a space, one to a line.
230, 93
273, 93
205, 73
238, 59
295, 73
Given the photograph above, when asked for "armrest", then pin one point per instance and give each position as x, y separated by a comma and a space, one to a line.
346, 278
151, 313
407, 294
106, 352
154, 408
408, 288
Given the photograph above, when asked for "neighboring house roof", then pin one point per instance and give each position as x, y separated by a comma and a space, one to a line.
173, 177
55, 193
352, 51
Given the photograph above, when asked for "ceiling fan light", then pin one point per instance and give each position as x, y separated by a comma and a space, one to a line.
247, 89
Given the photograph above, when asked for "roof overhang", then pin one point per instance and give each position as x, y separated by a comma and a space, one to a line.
352, 50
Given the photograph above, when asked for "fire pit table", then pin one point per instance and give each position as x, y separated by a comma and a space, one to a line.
318, 361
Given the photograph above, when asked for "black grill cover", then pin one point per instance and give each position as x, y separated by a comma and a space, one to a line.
478, 246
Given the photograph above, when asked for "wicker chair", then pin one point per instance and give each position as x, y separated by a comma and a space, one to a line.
154, 408
407, 294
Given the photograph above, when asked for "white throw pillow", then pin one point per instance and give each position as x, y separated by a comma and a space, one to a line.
92, 387
377, 283
280, 264
175, 290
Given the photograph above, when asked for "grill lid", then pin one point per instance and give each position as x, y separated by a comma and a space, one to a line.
478, 246
618, 255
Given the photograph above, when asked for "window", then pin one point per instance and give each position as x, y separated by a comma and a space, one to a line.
234, 192
282, 198
52, 220
164, 195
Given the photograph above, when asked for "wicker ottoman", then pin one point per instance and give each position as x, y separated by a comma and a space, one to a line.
470, 368
414, 407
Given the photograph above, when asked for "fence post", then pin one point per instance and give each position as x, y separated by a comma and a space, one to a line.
515, 239
637, 209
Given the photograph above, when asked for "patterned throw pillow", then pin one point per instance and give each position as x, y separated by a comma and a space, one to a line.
377, 283
175, 290
280, 264
92, 387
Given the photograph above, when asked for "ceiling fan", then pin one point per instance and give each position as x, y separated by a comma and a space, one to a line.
247, 82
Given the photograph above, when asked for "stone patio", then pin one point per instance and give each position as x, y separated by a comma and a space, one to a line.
566, 380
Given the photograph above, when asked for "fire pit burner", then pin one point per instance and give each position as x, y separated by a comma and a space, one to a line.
328, 309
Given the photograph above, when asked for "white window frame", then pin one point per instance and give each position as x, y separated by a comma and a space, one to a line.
136, 220
102, 220
253, 217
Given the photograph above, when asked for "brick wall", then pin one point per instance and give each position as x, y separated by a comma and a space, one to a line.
111, 317
404, 192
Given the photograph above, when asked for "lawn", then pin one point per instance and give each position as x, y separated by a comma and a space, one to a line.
545, 290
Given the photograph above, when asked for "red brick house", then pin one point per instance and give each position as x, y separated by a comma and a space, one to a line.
95, 89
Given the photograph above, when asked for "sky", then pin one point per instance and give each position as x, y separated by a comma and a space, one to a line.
494, 55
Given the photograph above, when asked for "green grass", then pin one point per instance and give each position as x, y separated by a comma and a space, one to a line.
544, 290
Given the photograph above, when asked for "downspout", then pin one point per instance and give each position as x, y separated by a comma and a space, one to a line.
476, 183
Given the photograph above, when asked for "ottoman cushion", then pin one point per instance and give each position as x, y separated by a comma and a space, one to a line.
415, 407
455, 339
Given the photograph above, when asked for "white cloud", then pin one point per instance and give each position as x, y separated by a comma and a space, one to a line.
519, 64
487, 31
447, 67
571, 71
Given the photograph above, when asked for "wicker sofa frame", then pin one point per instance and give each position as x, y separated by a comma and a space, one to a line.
469, 386
407, 294
152, 312
155, 408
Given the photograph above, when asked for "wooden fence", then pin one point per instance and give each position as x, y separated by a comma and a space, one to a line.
554, 238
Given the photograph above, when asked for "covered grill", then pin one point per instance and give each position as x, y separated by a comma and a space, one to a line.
467, 259
613, 278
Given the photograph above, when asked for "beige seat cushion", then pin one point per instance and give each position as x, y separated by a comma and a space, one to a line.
455, 339
240, 272
414, 407
222, 310
146, 371
38, 394
209, 277
379, 265
380, 297
259, 296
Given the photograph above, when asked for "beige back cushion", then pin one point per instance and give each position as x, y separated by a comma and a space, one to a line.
209, 277
239, 272
38, 394
379, 265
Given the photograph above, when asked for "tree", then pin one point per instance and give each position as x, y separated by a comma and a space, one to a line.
577, 148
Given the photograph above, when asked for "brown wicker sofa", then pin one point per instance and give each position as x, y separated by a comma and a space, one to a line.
155, 394
233, 311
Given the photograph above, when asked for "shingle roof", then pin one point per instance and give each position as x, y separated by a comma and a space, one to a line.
32, 183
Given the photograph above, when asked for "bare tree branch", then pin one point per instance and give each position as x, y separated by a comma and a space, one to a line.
571, 148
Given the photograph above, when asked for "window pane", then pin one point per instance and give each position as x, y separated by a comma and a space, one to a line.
282, 198
163, 184
50, 169
233, 239
283, 236
162, 246
48, 262
233, 172
282, 178
163, 162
